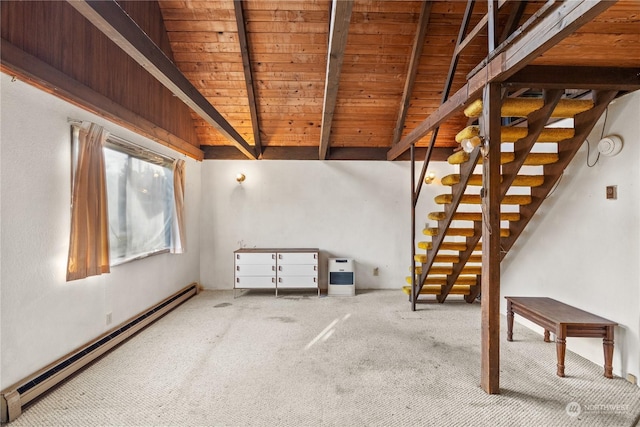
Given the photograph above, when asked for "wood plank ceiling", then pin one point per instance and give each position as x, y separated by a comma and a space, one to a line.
287, 50
294, 79
285, 46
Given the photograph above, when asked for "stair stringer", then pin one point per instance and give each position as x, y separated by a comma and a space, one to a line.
584, 123
450, 209
536, 121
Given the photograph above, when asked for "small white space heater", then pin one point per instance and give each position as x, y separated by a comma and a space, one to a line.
342, 280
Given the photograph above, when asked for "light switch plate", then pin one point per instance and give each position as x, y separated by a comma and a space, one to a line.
612, 192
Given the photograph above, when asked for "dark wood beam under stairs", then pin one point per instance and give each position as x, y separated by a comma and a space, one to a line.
575, 77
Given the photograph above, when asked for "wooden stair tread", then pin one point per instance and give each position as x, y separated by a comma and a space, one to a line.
437, 290
453, 259
447, 258
522, 107
532, 159
442, 280
474, 199
451, 231
448, 246
512, 134
456, 231
476, 180
472, 216
448, 269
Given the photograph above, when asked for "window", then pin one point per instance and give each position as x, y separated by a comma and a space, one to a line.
140, 200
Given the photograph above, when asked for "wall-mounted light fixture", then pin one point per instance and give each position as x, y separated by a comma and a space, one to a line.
240, 178
468, 144
428, 179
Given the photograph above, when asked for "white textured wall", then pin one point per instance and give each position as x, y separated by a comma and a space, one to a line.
584, 250
350, 209
44, 317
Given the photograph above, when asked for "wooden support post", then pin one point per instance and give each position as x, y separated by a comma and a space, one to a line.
414, 292
490, 285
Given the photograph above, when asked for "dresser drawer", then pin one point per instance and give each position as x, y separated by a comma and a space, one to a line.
265, 282
297, 270
297, 258
255, 269
255, 258
294, 282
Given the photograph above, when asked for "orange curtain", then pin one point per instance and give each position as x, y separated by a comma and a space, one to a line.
89, 240
178, 232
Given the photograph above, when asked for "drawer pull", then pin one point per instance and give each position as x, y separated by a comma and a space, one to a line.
237, 268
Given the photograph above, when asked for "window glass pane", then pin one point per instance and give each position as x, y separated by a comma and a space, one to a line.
140, 199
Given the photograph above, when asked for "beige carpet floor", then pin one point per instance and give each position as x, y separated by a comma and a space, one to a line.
300, 360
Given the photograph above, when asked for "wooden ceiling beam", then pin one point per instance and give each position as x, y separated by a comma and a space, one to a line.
551, 29
340, 19
416, 54
226, 152
248, 75
573, 77
116, 24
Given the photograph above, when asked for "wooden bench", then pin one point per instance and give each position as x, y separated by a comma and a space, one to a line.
563, 321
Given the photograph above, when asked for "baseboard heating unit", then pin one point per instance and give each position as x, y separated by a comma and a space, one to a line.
15, 397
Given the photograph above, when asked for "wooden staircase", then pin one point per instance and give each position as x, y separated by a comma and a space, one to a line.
533, 158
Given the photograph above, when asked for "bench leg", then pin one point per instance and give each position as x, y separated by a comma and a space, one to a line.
546, 336
509, 321
607, 343
561, 346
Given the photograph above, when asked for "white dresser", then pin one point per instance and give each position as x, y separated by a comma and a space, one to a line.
268, 268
